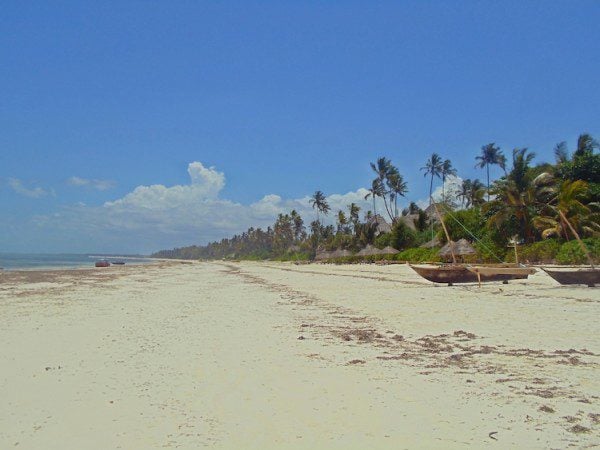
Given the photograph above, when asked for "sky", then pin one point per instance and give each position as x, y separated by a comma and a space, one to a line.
131, 127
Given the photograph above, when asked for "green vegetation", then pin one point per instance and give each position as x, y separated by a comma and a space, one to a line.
535, 205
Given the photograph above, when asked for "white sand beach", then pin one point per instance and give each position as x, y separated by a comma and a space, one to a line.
276, 356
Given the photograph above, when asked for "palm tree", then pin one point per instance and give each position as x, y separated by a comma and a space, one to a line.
341, 220
561, 152
585, 145
567, 204
476, 194
319, 201
490, 155
432, 167
465, 192
447, 170
520, 171
298, 224
376, 190
382, 168
397, 187
353, 210
519, 198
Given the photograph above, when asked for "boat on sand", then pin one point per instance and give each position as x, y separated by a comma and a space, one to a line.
465, 273
589, 276
102, 263
468, 273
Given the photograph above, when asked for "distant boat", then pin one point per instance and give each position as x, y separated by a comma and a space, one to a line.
102, 263
588, 276
119, 262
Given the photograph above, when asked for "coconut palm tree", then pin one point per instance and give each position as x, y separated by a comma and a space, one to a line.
447, 170
519, 198
298, 224
476, 193
568, 199
376, 190
520, 171
353, 210
586, 145
397, 188
561, 152
432, 167
490, 155
319, 201
382, 168
465, 192
341, 220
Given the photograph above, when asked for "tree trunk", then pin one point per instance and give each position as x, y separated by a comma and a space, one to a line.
487, 166
430, 202
443, 189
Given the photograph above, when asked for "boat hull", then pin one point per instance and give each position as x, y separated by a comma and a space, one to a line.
485, 271
102, 264
589, 277
461, 274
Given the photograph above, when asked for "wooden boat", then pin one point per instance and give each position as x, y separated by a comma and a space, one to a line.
469, 273
119, 262
465, 273
102, 263
588, 276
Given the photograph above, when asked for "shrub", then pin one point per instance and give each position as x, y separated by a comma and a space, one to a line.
383, 240
538, 252
571, 252
294, 256
419, 255
489, 251
402, 236
471, 219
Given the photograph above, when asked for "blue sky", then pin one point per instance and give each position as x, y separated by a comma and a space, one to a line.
101, 100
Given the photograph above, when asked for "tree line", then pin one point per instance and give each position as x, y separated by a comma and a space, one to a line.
524, 204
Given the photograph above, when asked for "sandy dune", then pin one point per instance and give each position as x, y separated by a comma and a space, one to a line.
272, 355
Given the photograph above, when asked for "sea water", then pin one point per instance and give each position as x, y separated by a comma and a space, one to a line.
16, 261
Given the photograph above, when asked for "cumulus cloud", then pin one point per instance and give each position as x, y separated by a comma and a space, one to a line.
158, 216
451, 191
18, 186
100, 185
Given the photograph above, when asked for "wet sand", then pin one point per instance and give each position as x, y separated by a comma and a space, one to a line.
273, 355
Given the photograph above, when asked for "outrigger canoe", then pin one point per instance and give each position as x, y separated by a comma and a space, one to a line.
589, 276
465, 273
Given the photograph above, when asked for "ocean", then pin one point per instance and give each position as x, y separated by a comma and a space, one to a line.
15, 261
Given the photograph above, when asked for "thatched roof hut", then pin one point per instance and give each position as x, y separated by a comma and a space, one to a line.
435, 242
322, 254
381, 226
461, 248
340, 253
368, 251
409, 221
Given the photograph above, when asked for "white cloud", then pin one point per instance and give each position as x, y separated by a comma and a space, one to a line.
101, 185
18, 186
451, 190
157, 216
